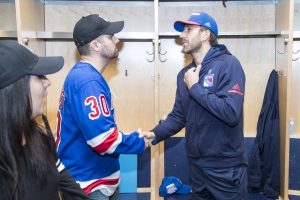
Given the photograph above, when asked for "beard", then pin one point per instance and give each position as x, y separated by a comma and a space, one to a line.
191, 48
193, 45
115, 55
110, 53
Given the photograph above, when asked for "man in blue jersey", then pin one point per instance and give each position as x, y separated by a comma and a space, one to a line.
209, 104
88, 140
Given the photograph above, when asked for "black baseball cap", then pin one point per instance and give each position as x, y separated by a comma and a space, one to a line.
17, 61
92, 26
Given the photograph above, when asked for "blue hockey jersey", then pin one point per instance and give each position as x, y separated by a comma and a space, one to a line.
87, 138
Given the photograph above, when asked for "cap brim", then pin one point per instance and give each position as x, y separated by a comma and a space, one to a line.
186, 189
115, 27
179, 24
47, 65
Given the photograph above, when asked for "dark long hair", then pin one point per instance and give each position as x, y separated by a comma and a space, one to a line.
213, 39
19, 130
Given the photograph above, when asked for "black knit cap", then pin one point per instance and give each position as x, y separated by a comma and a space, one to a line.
17, 61
92, 26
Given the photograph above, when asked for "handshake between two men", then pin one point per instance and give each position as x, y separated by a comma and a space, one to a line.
148, 138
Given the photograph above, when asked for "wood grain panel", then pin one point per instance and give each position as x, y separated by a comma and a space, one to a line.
295, 89
136, 18
233, 18
297, 17
251, 17
32, 15
8, 17
69, 52
168, 75
284, 24
295, 94
134, 101
284, 143
30, 18
258, 60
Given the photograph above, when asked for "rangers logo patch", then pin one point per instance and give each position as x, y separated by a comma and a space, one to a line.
208, 80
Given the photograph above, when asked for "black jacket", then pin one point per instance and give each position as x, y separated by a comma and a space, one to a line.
264, 165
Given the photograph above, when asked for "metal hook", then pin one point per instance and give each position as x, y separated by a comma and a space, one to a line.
25, 41
159, 50
295, 59
296, 51
161, 60
285, 44
224, 3
153, 52
150, 53
283, 51
160, 53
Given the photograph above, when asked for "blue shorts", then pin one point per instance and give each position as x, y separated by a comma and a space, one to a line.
219, 183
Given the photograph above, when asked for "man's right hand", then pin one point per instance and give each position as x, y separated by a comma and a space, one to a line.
148, 136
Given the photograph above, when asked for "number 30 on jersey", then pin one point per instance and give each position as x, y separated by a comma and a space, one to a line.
97, 106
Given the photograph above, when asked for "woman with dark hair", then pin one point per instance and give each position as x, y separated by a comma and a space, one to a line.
29, 168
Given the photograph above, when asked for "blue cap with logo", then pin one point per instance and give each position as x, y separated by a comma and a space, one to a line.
172, 185
198, 18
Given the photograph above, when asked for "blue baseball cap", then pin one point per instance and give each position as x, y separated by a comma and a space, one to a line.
200, 19
172, 185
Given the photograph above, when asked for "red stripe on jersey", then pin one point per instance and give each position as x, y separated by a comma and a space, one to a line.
89, 188
58, 127
106, 144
